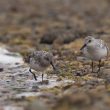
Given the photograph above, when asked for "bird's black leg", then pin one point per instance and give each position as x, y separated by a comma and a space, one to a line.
92, 65
99, 66
42, 77
33, 74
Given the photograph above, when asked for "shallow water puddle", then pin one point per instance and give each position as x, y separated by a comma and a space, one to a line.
52, 82
17, 77
28, 94
12, 108
7, 57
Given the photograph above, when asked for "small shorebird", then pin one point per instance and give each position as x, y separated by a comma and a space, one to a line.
40, 61
95, 50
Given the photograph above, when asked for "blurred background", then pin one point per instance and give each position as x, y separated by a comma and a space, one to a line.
58, 26
27, 23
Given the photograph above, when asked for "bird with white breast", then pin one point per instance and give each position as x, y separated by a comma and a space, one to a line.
95, 50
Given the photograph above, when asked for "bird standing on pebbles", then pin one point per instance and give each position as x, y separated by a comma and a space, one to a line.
39, 61
95, 50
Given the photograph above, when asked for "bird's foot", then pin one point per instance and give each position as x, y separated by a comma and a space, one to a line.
44, 82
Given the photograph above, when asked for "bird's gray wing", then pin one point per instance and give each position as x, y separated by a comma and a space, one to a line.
102, 44
37, 55
107, 50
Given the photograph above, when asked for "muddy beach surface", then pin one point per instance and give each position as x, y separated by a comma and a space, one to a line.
58, 26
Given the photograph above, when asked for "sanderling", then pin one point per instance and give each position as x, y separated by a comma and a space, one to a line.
39, 61
95, 50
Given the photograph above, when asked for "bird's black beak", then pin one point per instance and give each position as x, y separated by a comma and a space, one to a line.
53, 65
83, 46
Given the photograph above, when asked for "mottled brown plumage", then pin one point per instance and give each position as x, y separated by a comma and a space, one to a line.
39, 61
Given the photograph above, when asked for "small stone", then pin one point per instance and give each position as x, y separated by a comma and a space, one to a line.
1, 69
80, 72
46, 82
36, 105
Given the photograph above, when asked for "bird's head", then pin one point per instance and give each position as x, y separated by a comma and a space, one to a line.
89, 41
50, 60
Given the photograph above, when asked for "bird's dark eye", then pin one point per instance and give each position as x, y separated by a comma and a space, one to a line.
46, 58
89, 40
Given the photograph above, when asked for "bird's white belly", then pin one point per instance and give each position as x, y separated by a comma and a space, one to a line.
96, 54
36, 67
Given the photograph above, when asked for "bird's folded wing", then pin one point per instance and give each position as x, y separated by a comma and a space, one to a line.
107, 50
